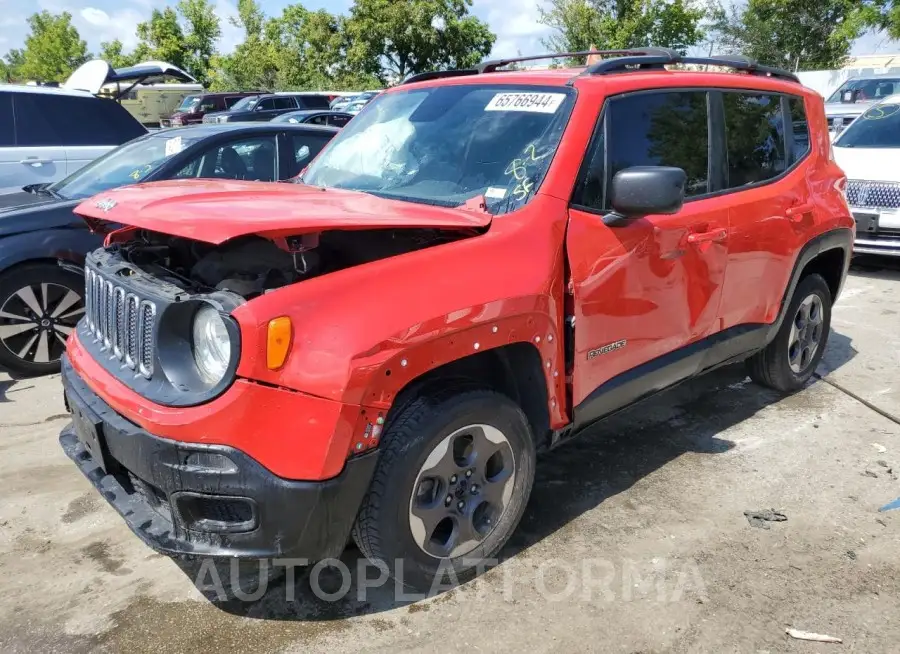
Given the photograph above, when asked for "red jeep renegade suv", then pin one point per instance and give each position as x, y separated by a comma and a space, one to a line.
480, 265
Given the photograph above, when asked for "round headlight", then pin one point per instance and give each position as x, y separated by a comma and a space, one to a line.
212, 345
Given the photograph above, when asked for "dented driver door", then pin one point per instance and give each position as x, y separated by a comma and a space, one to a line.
646, 291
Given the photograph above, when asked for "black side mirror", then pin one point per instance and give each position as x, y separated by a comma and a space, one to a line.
643, 190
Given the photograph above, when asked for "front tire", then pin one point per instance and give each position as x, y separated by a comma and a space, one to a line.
453, 478
40, 304
788, 362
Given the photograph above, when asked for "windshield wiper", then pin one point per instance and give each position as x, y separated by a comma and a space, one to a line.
42, 189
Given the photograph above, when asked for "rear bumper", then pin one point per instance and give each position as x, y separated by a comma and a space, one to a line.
210, 500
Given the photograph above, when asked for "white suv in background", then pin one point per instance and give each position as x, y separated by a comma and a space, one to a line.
48, 133
869, 153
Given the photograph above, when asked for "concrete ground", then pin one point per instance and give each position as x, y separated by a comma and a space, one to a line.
635, 539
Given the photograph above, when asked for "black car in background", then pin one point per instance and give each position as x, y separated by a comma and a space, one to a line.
313, 117
43, 244
265, 107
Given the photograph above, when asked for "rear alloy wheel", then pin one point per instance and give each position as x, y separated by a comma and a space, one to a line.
454, 474
40, 305
788, 362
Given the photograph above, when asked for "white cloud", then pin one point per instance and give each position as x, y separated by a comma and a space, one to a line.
517, 29
97, 26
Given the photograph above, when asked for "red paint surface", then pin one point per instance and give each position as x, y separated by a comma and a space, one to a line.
657, 282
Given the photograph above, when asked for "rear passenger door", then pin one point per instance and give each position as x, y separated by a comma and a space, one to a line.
645, 288
39, 156
768, 199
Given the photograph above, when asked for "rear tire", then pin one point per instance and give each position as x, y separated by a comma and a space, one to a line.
453, 478
788, 362
40, 305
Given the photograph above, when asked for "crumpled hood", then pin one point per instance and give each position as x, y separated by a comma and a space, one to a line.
217, 211
27, 212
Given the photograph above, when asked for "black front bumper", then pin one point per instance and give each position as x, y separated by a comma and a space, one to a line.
209, 500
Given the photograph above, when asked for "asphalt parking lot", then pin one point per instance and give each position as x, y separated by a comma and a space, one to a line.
635, 539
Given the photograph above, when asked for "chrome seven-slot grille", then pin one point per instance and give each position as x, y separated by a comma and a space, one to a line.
120, 322
873, 195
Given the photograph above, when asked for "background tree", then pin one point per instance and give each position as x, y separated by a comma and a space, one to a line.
254, 63
53, 49
203, 31
616, 24
113, 52
161, 38
392, 39
797, 34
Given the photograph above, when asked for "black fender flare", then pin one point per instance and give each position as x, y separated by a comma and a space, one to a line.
835, 239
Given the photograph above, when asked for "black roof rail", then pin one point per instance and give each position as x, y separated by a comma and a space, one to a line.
438, 74
619, 61
658, 57
493, 65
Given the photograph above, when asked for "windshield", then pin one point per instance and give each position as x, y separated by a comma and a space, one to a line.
868, 90
245, 104
128, 164
189, 103
878, 127
446, 145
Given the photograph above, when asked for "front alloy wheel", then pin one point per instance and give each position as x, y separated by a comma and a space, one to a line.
39, 308
455, 469
462, 491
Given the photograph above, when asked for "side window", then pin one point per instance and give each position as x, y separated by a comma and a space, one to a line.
230, 102
266, 104
668, 128
7, 133
209, 104
306, 147
338, 121
800, 129
754, 136
314, 101
247, 159
318, 120
45, 119
285, 103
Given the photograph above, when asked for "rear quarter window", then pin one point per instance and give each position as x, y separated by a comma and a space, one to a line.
800, 129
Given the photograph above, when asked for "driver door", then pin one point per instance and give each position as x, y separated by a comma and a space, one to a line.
646, 289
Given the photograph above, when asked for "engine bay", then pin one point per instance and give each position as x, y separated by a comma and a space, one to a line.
250, 266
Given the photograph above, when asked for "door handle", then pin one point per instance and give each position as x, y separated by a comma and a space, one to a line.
796, 212
34, 161
714, 235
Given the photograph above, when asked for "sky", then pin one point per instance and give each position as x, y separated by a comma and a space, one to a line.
514, 21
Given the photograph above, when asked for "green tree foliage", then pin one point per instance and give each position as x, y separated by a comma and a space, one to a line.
162, 39
113, 52
615, 24
880, 15
254, 63
203, 30
797, 34
392, 39
53, 49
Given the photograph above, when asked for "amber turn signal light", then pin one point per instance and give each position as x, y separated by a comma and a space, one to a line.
279, 342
